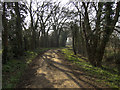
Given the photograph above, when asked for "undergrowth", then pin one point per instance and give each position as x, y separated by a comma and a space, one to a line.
13, 69
111, 79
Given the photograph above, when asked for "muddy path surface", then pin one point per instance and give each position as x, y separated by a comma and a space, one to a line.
52, 71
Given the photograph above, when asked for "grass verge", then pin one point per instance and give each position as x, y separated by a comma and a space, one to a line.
13, 69
111, 79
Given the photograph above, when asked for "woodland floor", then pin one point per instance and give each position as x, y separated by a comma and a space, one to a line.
51, 70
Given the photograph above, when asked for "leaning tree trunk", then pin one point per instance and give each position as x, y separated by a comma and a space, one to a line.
109, 28
96, 51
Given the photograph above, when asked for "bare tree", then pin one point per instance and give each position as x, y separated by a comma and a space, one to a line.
97, 29
59, 17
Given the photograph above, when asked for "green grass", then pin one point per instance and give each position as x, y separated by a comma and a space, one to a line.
1, 51
13, 69
12, 72
111, 79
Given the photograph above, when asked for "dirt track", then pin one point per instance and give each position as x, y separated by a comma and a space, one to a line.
52, 71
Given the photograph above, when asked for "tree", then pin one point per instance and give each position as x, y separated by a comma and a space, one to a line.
77, 16
97, 28
64, 34
75, 38
96, 50
59, 17
18, 30
5, 35
33, 24
45, 21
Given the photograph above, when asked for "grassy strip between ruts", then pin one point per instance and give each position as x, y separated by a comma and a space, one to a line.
112, 80
13, 69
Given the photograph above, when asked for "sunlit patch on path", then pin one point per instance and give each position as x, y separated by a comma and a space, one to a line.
52, 71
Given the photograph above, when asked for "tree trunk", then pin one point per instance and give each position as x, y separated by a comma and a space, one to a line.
47, 41
108, 31
33, 39
32, 29
18, 30
63, 38
73, 44
5, 36
95, 46
25, 44
57, 41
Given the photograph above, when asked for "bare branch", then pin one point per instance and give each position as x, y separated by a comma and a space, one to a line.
117, 30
